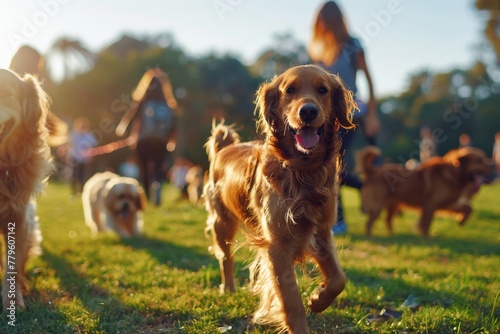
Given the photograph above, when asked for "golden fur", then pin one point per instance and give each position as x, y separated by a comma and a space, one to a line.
436, 184
26, 127
113, 203
282, 191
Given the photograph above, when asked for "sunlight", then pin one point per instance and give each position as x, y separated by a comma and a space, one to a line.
7, 26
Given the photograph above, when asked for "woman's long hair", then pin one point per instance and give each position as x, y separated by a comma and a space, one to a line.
329, 33
155, 84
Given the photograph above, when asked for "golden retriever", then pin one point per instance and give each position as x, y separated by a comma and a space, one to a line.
283, 192
26, 127
113, 203
436, 184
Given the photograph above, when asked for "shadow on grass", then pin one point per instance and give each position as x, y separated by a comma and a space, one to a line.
170, 254
397, 291
457, 246
112, 314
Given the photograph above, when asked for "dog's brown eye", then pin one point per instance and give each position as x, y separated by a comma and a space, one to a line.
290, 90
322, 90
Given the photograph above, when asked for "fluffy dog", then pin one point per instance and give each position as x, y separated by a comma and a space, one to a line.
112, 202
25, 164
436, 184
283, 192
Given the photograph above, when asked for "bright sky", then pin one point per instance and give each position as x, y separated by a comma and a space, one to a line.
400, 36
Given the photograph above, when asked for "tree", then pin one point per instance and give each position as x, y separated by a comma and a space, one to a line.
492, 29
73, 56
286, 52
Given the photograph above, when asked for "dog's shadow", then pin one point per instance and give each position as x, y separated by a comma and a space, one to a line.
187, 258
112, 314
459, 246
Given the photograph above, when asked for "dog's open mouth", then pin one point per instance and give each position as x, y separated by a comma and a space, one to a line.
478, 180
307, 138
5, 129
124, 213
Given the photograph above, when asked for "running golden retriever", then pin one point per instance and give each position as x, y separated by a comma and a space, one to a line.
282, 191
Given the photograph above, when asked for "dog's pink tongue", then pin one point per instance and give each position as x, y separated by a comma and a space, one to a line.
307, 137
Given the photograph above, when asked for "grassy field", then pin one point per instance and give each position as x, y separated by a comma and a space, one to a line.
167, 281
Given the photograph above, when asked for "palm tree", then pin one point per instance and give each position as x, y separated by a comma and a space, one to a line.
72, 55
492, 29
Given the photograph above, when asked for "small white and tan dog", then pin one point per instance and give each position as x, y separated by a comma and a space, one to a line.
113, 203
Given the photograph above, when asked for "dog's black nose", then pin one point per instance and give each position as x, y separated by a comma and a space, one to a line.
308, 112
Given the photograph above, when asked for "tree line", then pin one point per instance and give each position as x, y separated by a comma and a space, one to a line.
222, 87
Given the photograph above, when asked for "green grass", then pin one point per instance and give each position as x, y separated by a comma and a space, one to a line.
167, 281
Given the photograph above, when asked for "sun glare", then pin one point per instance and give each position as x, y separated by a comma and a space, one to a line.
20, 24
9, 26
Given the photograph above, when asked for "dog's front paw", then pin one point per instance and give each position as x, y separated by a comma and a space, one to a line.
320, 299
325, 294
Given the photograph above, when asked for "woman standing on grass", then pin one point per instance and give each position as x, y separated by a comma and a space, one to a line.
333, 48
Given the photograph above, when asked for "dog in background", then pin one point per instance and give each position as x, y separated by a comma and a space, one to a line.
436, 184
465, 155
195, 180
26, 130
113, 203
282, 191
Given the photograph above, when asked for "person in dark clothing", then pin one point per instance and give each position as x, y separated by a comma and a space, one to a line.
334, 49
153, 116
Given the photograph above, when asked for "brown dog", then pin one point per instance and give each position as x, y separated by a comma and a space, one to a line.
466, 155
436, 184
283, 190
26, 127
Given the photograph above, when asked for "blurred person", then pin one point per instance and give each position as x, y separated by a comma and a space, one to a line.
333, 48
129, 168
178, 174
153, 118
427, 144
81, 139
28, 60
464, 140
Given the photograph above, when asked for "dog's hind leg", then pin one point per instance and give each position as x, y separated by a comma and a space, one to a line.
326, 257
425, 220
223, 232
392, 210
373, 214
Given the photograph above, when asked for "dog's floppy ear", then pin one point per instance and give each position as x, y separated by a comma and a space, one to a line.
35, 105
342, 103
109, 194
266, 105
